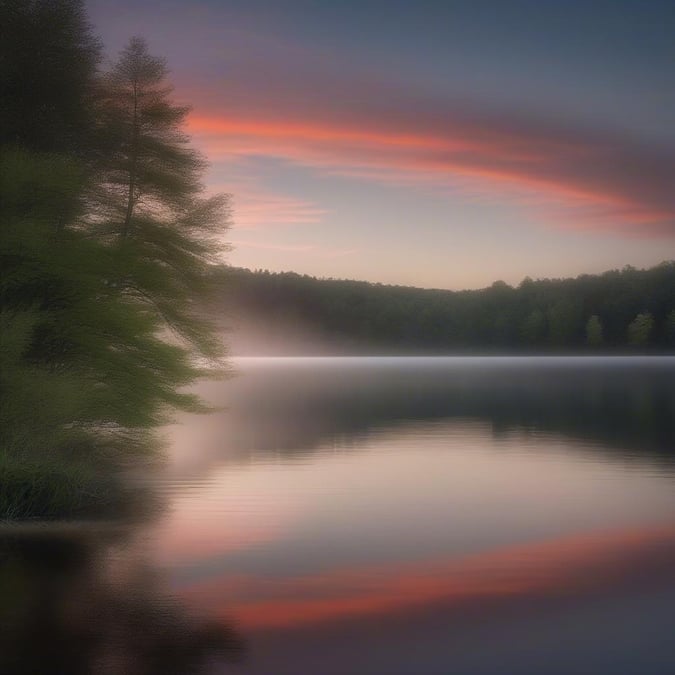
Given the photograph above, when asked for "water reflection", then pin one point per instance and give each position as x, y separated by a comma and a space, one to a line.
379, 517
573, 606
623, 406
554, 569
75, 600
384, 516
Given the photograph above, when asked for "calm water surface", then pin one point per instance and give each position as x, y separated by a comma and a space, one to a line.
396, 516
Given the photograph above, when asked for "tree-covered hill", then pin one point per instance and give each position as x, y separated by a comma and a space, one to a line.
620, 310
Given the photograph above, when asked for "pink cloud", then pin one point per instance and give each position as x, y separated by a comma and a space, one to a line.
257, 93
256, 206
592, 180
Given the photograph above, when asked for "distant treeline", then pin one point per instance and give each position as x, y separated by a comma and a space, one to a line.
620, 310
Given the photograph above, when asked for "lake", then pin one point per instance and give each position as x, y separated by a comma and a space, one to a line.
379, 516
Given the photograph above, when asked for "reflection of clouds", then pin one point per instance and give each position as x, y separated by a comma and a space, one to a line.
358, 506
185, 535
568, 566
182, 539
421, 490
344, 497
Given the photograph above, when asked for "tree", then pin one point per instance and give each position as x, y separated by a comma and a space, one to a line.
149, 203
48, 62
37, 393
594, 331
670, 328
639, 330
85, 362
534, 327
83, 370
564, 321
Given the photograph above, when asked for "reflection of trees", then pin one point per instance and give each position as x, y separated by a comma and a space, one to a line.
626, 407
66, 609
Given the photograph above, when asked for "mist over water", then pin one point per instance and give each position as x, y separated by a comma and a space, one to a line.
249, 334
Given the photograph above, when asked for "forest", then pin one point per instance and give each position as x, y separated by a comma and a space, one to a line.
627, 310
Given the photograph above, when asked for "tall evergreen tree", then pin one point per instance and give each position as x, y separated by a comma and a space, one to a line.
149, 201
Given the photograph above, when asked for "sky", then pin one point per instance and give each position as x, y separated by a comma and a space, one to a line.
442, 144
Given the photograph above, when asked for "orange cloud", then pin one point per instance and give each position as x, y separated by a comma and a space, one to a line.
313, 132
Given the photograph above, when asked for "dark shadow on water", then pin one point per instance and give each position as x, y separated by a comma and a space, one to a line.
73, 601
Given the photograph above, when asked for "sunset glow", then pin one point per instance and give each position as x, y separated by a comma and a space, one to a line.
535, 136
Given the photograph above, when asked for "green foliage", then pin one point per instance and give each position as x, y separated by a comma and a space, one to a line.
543, 315
670, 328
105, 244
594, 331
149, 203
640, 329
37, 391
63, 314
57, 486
564, 321
534, 327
